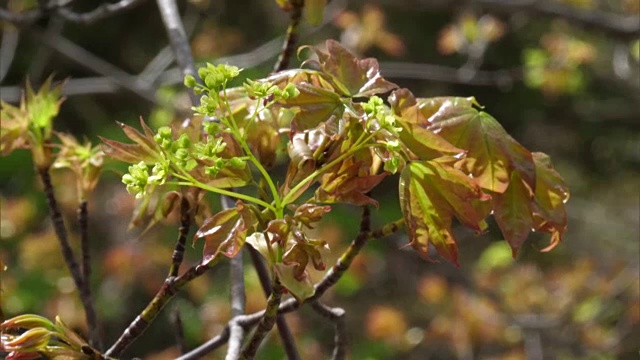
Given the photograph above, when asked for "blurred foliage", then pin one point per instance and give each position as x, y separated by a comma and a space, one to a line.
578, 103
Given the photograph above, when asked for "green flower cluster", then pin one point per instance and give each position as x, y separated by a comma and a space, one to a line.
178, 149
265, 89
140, 183
381, 121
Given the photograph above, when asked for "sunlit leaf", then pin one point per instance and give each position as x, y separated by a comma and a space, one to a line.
551, 194
492, 155
350, 76
512, 211
431, 194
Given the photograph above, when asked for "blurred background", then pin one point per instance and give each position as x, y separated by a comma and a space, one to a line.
561, 76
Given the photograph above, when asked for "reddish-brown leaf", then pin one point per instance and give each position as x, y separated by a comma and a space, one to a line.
350, 76
491, 154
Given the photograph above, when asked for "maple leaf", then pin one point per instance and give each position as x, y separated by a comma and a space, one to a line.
492, 155
350, 76
431, 194
520, 209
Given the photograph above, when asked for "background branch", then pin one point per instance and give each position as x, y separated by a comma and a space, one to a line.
55, 7
291, 37
336, 315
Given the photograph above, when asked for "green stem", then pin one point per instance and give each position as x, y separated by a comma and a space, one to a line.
190, 181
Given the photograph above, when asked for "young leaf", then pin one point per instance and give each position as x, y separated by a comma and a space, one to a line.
431, 194
301, 288
225, 232
350, 76
549, 212
145, 149
492, 155
512, 211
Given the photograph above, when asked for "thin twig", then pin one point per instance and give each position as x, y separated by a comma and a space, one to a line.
179, 331
96, 64
10, 37
61, 230
92, 318
67, 253
336, 315
183, 230
178, 40
101, 12
291, 37
172, 284
288, 341
266, 322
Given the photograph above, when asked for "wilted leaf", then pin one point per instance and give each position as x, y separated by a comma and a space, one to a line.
350, 76
432, 193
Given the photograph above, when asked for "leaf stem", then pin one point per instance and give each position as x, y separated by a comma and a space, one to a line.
190, 181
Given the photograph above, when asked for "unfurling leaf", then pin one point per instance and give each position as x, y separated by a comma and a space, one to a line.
225, 232
431, 194
300, 288
145, 148
350, 76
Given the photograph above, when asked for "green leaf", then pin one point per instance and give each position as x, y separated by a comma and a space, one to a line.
492, 155
301, 288
431, 194
350, 76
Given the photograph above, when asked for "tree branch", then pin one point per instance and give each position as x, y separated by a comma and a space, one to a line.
10, 37
85, 290
266, 322
291, 37
176, 319
96, 64
171, 286
101, 12
291, 304
619, 26
178, 40
238, 297
336, 316
288, 341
